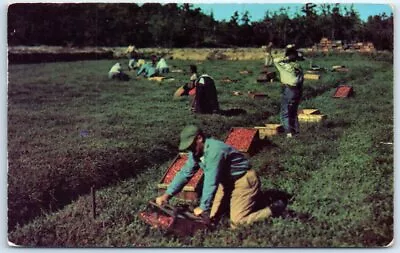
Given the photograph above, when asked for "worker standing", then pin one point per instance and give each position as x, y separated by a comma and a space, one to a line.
292, 77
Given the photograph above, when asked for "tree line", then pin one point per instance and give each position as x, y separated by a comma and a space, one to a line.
182, 25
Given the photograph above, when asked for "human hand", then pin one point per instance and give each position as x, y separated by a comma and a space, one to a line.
197, 211
162, 200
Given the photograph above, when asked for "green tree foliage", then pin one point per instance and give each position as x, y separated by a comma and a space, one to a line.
379, 29
181, 25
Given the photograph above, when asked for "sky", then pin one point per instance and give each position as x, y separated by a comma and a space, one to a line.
257, 10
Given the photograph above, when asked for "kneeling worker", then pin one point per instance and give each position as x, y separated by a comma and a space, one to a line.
116, 72
206, 97
228, 180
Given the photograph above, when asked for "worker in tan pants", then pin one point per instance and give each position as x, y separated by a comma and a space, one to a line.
229, 180
241, 199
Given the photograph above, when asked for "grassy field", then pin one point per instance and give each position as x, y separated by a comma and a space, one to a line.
70, 128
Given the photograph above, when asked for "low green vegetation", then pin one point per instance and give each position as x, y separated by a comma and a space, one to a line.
70, 128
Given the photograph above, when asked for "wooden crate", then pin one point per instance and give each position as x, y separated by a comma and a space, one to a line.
156, 78
308, 111
266, 77
256, 95
237, 93
310, 115
192, 190
341, 70
269, 130
177, 71
245, 72
311, 76
169, 219
228, 80
343, 91
244, 139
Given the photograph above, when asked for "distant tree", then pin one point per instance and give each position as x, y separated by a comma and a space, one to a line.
351, 25
245, 31
234, 21
245, 19
181, 25
308, 33
379, 30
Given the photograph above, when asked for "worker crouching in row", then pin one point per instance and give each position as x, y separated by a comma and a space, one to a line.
229, 181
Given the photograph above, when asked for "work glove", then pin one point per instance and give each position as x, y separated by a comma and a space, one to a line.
197, 211
162, 200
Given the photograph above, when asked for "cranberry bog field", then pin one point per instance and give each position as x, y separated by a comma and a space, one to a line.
71, 129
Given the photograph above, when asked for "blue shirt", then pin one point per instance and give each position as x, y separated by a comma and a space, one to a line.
219, 162
148, 69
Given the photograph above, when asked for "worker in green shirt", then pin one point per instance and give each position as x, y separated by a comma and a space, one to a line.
292, 77
229, 181
162, 66
149, 68
188, 88
116, 72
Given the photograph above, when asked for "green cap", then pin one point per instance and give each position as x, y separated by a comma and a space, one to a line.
188, 135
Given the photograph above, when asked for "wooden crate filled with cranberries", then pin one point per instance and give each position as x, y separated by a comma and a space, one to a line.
244, 139
157, 220
175, 220
192, 190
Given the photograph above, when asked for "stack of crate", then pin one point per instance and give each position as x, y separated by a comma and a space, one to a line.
367, 47
325, 45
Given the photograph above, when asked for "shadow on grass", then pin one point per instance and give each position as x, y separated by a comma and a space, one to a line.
270, 196
76, 176
232, 112
264, 200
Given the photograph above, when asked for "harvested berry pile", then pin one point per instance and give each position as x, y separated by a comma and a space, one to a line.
343, 91
241, 138
157, 220
174, 168
177, 166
